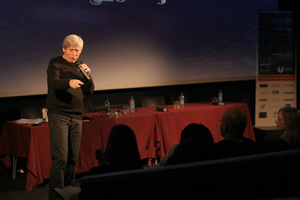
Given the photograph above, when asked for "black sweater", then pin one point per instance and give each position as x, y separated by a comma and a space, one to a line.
62, 99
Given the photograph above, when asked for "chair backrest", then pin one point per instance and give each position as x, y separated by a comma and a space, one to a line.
153, 101
32, 111
206, 179
117, 106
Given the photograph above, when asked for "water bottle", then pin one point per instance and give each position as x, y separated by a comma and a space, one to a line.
107, 107
220, 95
132, 105
45, 114
181, 100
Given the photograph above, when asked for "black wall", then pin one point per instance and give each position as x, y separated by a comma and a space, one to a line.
241, 91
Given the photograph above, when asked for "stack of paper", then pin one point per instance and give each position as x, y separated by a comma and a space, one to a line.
29, 121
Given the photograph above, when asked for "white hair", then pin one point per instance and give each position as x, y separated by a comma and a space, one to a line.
72, 40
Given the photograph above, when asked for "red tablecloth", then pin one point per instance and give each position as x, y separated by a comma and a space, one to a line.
155, 131
171, 123
33, 142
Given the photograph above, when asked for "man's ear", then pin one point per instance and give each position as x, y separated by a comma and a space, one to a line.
225, 131
63, 49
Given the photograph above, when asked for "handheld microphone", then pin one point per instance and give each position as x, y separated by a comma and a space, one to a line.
162, 109
86, 75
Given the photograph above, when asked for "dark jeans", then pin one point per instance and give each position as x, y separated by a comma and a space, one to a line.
65, 138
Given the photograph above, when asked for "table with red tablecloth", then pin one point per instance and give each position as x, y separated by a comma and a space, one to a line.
155, 131
33, 142
171, 123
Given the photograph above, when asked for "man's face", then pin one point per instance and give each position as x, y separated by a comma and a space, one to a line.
71, 54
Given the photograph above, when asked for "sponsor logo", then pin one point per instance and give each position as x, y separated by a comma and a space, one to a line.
280, 69
263, 99
262, 114
263, 85
289, 85
263, 93
277, 107
285, 69
275, 85
275, 92
288, 99
288, 92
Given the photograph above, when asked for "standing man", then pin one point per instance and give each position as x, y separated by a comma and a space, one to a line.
67, 87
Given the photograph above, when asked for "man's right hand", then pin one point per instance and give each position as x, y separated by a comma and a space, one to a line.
74, 83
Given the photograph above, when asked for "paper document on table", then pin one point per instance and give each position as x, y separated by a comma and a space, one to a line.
29, 121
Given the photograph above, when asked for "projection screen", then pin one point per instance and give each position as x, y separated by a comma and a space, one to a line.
131, 43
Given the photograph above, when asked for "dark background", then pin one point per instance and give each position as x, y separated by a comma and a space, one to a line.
132, 44
234, 91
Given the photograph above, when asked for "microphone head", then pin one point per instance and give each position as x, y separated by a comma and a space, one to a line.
162, 109
77, 63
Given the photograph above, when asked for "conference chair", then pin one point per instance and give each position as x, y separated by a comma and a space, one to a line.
32, 111
153, 101
116, 106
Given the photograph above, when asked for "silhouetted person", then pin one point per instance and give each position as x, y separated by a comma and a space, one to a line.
272, 145
232, 128
193, 130
121, 152
198, 131
191, 150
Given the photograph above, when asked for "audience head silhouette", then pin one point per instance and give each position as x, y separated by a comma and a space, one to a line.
196, 145
233, 124
288, 122
191, 150
232, 128
197, 131
121, 147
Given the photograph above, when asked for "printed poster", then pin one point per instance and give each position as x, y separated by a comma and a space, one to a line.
276, 72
